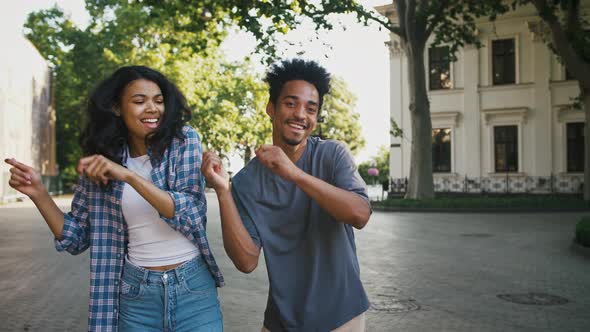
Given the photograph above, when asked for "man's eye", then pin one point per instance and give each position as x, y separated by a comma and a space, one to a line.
311, 110
138, 102
289, 104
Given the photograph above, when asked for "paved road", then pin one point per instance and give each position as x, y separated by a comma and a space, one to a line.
423, 272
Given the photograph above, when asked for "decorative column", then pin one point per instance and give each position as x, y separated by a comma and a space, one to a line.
541, 125
399, 151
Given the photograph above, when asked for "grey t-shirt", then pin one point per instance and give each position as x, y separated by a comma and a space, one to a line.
310, 257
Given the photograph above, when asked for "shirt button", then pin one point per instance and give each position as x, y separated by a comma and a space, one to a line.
116, 282
119, 230
118, 255
115, 311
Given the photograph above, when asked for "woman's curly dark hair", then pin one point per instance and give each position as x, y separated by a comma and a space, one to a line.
297, 69
106, 133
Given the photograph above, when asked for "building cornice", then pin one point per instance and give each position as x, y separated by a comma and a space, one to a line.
517, 114
449, 119
520, 86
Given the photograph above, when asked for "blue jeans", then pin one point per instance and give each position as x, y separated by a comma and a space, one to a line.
182, 299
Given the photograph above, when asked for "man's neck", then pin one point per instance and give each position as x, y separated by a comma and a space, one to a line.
294, 152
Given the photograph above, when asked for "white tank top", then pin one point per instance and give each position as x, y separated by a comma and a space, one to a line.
151, 241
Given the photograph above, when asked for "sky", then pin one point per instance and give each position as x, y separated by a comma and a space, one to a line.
358, 55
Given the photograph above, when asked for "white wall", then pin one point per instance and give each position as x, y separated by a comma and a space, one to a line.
18, 69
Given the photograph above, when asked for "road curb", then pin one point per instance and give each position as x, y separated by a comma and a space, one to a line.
476, 210
580, 249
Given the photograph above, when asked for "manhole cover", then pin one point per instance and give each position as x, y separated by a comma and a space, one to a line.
534, 299
390, 303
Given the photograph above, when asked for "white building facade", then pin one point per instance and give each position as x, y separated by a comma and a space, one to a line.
502, 115
27, 117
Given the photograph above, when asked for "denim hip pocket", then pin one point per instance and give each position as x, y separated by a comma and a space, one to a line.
130, 288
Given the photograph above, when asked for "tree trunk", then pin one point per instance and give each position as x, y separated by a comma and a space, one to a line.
586, 101
421, 184
247, 155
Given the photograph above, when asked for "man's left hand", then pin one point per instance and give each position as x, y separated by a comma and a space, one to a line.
275, 159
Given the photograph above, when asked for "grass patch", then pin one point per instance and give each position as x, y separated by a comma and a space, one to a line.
583, 232
498, 202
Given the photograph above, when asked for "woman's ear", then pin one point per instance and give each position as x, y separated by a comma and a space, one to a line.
116, 111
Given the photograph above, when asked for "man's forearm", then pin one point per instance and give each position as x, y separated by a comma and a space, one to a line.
237, 242
345, 206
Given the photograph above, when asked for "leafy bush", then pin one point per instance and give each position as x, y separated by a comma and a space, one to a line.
583, 232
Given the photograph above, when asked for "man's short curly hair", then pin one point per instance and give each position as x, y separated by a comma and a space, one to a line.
297, 69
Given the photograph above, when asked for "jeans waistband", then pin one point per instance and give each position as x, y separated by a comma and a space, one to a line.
173, 276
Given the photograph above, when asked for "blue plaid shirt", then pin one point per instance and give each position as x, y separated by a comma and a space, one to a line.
96, 221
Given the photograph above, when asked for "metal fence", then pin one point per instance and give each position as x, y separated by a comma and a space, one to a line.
509, 184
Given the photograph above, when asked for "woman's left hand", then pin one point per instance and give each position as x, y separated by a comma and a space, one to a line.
100, 169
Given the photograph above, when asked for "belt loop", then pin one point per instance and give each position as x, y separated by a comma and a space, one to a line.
146, 274
178, 273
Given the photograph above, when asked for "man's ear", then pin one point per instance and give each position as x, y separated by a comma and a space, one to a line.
270, 109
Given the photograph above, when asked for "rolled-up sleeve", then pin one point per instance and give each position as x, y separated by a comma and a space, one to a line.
188, 186
75, 236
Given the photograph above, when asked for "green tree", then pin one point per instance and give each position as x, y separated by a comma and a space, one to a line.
220, 93
183, 42
340, 119
414, 22
381, 162
567, 35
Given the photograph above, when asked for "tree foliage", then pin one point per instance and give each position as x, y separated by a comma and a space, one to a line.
340, 118
569, 38
182, 39
381, 162
220, 93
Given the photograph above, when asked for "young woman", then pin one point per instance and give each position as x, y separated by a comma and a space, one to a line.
140, 207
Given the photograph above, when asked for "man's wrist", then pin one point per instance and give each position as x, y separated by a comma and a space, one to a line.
298, 176
223, 190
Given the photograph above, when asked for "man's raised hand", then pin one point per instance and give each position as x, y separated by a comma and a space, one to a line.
212, 170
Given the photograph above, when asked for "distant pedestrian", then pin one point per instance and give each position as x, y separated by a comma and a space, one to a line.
140, 207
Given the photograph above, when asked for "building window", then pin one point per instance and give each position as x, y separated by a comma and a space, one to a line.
441, 150
503, 61
439, 68
575, 147
506, 148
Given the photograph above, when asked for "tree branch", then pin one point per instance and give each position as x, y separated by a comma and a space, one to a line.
562, 45
409, 18
437, 18
572, 21
400, 7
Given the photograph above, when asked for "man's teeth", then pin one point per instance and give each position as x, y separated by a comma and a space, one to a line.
150, 120
297, 126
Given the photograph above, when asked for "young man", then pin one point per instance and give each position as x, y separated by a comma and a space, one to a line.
298, 200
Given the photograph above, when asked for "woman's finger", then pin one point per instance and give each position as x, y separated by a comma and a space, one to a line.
17, 164
24, 175
20, 179
92, 166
